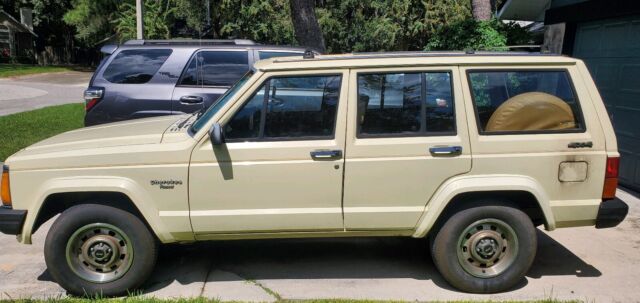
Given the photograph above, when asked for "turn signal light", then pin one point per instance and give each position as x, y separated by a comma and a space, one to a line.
5, 191
611, 178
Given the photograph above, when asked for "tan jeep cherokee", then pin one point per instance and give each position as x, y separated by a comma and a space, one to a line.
472, 150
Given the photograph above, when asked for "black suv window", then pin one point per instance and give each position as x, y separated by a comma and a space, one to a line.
271, 54
215, 68
531, 101
288, 108
405, 104
135, 66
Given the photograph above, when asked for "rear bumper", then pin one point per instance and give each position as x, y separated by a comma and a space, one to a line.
11, 221
611, 213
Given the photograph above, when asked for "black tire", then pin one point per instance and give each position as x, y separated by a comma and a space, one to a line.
446, 242
143, 244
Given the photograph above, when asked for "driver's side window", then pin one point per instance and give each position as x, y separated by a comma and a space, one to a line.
288, 108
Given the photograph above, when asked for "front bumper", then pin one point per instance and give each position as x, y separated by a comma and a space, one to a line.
611, 213
11, 220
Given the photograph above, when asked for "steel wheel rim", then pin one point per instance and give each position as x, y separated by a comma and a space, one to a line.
99, 253
486, 248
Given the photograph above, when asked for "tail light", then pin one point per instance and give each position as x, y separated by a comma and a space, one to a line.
611, 178
5, 191
92, 96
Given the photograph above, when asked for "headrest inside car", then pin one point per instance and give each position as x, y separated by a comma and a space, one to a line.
532, 111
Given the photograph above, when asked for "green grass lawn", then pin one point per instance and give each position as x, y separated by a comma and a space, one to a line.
12, 70
20, 130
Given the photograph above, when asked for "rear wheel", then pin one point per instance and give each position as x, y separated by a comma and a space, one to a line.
99, 250
485, 249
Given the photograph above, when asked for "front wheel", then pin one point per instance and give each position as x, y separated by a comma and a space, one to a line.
485, 249
97, 250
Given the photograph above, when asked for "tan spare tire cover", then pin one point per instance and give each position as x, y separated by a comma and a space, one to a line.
532, 111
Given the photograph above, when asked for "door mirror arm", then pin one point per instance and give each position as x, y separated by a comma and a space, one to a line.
216, 135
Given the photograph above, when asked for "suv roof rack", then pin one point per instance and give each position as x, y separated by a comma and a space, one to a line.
405, 54
191, 42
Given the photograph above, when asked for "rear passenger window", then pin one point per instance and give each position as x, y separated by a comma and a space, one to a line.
525, 101
135, 66
272, 54
411, 104
215, 68
288, 108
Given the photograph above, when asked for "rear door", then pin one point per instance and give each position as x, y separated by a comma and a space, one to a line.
207, 76
407, 134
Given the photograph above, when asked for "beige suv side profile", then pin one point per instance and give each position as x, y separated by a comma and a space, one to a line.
470, 151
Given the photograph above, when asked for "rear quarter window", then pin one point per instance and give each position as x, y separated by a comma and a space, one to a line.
525, 101
135, 66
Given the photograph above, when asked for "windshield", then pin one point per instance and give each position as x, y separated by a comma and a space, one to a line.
213, 109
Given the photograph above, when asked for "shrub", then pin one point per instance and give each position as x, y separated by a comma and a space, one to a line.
471, 34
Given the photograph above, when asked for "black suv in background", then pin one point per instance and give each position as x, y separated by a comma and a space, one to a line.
144, 78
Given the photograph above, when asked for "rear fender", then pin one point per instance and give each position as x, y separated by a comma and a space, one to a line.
467, 184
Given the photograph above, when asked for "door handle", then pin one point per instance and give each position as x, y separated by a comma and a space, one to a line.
326, 154
445, 150
191, 99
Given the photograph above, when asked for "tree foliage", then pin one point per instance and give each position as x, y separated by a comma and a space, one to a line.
379, 25
471, 34
347, 25
92, 19
158, 17
264, 21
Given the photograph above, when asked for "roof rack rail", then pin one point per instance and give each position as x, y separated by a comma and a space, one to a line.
407, 54
191, 42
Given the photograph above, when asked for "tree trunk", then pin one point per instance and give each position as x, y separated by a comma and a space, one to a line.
481, 9
305, 24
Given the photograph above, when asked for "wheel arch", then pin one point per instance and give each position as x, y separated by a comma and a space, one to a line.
57, 203
519, 191
57, 195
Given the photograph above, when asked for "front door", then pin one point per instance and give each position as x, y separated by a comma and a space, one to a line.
281, 167
407, 134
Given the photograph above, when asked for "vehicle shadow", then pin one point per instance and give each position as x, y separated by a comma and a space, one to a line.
342, 258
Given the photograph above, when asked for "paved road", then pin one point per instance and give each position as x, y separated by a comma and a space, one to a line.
36, 91
578, 263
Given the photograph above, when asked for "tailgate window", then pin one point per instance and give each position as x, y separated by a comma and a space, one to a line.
135, 66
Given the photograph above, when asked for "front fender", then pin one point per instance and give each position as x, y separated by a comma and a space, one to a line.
467, 184
128, 187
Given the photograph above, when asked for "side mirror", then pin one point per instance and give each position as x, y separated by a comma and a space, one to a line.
216, 135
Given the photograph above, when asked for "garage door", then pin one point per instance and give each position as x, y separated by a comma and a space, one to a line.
611, 49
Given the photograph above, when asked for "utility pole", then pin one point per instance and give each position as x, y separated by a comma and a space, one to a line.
139, 19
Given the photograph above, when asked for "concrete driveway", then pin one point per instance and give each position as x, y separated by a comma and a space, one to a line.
576, 263
25, 93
